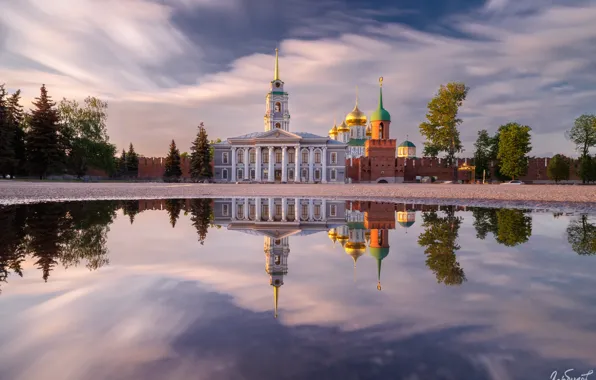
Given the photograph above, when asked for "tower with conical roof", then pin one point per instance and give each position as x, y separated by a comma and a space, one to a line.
276, 264
379, 218
380, 120
277, 114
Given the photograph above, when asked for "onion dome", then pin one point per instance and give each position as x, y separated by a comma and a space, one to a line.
333, 131
368, 131
407, 144
380, 114
332, 234
343, 128
356, 117
379, 254
355, 249
342, 239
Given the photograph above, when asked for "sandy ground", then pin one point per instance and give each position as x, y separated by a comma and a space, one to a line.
535, 196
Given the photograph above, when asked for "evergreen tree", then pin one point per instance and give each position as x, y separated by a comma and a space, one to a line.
172, 166
130, 208
43, 139
16, 120
440, 129
558, 168
132, 161
122, 168
7, 159
482, 154
201, 216
514, 146
200, 157
173, 207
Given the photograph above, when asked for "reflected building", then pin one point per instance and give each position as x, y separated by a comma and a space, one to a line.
355, 247
276, 219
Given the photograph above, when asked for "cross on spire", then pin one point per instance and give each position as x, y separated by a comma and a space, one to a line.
276, 74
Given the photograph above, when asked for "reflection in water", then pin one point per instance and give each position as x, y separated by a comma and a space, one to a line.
581, 234
510, 227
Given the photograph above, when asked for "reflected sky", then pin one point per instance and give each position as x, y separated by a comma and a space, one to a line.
146, 300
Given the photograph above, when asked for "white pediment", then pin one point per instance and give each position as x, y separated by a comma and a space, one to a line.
278, 134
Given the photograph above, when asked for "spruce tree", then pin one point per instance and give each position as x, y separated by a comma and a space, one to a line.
132, 161
6, 136
122, 169
201, 216
172, 165
200, 157
173, 207
16, 120
43, 148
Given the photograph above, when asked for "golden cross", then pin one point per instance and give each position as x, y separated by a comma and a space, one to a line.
381, 81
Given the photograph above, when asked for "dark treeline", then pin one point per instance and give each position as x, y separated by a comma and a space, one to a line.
58, 139
71, 233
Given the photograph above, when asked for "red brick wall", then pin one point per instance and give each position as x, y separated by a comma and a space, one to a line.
154, 167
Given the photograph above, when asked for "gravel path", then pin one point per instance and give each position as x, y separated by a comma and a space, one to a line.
561, 197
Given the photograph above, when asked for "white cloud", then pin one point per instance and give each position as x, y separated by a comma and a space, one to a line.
516, 65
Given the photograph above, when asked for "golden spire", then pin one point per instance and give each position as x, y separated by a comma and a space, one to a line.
275, 298
276, 75
356, 95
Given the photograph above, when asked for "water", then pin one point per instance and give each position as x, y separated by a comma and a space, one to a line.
174, 290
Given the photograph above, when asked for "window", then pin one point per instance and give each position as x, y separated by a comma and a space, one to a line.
251, 211
333, 157
277, 210
291, 155
305, 156
225, 210
291, 213
277, 107
240, 174
266, 158
278, 156
333, 175
318, 157
317, 174
265, 174
291, 174
265, 210
381, 136
240, 210
380, 238
317, 211
277, 125
333, 210
304, 211
252, 156
305, 174
277, 259
240, 156
224, 174
252, 174
224, 158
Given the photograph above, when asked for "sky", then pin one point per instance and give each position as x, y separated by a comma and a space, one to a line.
164, 66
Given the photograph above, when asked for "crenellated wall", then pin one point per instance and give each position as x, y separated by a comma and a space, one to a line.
155, 167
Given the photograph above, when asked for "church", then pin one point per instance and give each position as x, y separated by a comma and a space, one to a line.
278, 154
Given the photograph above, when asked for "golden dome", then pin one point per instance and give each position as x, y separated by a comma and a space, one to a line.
368, 131
342, 239
355, 249
343, 128
333, 131
356, 117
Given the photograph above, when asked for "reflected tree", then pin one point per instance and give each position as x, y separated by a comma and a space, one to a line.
12, 244
130, 208
581, 234
485, 221
201, 216
440, 242
514, 227
173, 207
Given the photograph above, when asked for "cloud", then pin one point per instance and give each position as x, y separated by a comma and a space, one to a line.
163, 71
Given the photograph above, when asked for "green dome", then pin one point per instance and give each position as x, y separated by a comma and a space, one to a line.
380, 114
407, 144
406, 224
378, 253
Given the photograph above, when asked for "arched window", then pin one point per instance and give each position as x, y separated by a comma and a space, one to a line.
317, 156
305, 156
381, 131
291, 156
252, 156
277, 259
277, 125
277, 107
278, 156
240, 156
380, 238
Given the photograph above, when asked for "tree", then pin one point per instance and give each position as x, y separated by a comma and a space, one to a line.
440, 241
483, 153
200, 157
16, 120
7, 154
583, 135
212, 149
485, 221
43, 148
86, 132
201, 216
173, 207
172, 167
581, 234
440, 129
514, 146
558, 168
122, 168
587, 169
130, 208
132, 161
514, 227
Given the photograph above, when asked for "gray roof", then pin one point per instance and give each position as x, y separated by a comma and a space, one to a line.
251, 135
304, 135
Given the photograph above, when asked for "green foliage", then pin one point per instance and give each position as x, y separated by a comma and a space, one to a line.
173, 207
122, 168
212, 149
440, 241
581, 234
483, 153
132, 162
587, 169
172, 166
200, 157
513, 227
485, 221
440, 129
201, 216
86, 134
583, 134
44, 152
131, 209
558, 168
514, 146
16, 119
7, 155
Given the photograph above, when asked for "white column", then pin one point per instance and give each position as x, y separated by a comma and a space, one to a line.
271, 161
311, 163
297, 209
324, 209
284, 164
233, 176
324, 165
271, 209
246, 163
233, 208
284, 205
258, 209
310, 210
297, 162
245, 208
258, 164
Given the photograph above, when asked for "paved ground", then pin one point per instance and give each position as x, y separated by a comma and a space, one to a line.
536, 196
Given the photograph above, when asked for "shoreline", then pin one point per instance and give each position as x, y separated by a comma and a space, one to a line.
552, 197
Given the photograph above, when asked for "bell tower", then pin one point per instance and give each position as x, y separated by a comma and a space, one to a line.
380, 120
277, 114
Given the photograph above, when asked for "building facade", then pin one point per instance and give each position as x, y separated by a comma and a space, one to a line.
278, 154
